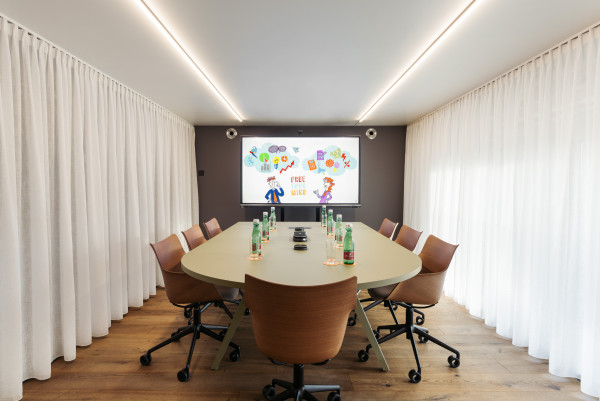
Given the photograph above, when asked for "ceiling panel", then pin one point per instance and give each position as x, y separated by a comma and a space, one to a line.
284, 62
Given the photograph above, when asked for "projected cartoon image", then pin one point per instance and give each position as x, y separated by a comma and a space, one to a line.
331, 161
326, 195
271, 159
300, 170
275, 193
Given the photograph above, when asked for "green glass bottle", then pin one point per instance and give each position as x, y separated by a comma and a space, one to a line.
339, 235
348, 246
330, 223
272, 220
323, 216
265, 227
255, 251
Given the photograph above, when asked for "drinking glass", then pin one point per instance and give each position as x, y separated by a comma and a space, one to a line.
330, 252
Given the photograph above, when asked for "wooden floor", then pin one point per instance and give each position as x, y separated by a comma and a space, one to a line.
491, 368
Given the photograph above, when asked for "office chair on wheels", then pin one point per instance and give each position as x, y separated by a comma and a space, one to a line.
408, 238
299, 325
194, 237
387, 228
191, 294
212, 228
423, 289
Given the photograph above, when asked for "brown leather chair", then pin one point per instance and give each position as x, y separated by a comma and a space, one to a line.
425, 289
193, 236
408, 237
191, 294
212, 228
388, 228
299, 325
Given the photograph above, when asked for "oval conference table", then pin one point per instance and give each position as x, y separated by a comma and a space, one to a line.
223, 260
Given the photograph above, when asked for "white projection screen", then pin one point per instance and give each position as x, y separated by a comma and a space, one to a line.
300, 170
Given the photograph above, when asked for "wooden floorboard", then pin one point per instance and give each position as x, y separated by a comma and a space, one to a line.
491, 367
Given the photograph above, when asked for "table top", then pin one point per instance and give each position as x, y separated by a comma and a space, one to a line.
223, 260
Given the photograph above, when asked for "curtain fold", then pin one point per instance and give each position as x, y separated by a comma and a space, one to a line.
90, 173
510, 172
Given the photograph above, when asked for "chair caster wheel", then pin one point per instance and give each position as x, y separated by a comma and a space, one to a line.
146, 359
183, 375
453, 361
351, 321
333, 396
363, 355
420, 320
187, 313
423, 339
234, 356
247, 312
395, 307
376, 334
414, 376
268, 391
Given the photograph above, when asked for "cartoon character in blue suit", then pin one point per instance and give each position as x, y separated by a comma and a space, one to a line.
275, 193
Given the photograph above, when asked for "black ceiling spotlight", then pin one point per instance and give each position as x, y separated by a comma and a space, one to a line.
371, 133
231, 133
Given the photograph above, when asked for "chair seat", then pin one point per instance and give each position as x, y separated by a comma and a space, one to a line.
381, 293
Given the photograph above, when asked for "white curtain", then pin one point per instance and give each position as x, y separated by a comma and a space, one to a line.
90, 174
511, 172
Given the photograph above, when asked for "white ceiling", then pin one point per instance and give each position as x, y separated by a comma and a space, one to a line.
311, 62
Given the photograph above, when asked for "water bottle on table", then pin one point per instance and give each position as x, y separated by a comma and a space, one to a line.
348, 246
272, 220
330, 223
339, 234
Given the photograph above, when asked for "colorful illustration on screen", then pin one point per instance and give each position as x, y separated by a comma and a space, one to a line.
271, 159
275, 192
327, 187
331, 161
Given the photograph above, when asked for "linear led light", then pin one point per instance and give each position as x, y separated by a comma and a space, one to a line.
162, 28
419, 59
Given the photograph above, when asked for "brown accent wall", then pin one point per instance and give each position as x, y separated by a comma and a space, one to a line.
381, 169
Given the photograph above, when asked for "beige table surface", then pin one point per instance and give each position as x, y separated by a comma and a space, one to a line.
223, 260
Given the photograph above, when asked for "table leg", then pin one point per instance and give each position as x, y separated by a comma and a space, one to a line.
364, 322
235, 322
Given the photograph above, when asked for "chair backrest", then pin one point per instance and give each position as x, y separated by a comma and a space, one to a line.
299, 325
180, 288
408, 237
387, 228
212, 228
426, 287
193, 236
169, 253
436, 255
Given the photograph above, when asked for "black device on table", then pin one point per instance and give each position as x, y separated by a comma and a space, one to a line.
300, 236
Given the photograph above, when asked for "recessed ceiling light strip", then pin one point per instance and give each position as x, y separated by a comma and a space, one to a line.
188, 58
417, 61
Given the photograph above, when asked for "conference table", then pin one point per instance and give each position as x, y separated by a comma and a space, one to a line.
224, 260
